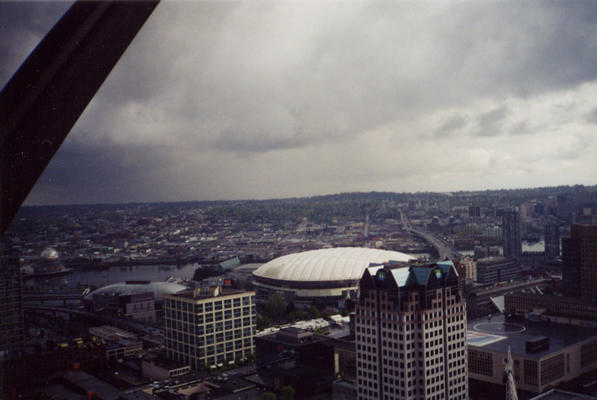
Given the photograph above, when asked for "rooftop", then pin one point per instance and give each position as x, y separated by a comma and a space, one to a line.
557, 394
497, 333
333, 264
190, 294
132, 287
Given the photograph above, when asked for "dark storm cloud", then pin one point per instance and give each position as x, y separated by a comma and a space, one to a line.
492, 123
102, 170
236, 99
525, 48
22, 25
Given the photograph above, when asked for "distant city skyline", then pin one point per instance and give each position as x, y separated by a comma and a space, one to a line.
230, 100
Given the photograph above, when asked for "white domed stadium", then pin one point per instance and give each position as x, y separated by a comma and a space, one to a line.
320, 275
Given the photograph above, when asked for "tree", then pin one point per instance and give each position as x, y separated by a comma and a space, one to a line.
290, 308
287, 393
314, 311
269, 396
263, 322
275, 307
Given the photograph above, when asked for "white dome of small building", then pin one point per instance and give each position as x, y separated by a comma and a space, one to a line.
49, 254
132, 287
324, 274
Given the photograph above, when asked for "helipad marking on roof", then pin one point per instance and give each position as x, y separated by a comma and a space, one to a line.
482, 339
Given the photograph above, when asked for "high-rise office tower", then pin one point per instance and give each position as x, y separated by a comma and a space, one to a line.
579, 255
511, 239
410, 332
11, 307
564, 205
552, 241
12, 331
209, 326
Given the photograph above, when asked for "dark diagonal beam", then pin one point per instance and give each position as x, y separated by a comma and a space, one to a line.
48, 93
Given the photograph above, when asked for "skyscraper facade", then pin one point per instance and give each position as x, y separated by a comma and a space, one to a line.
12, 327
410, 332
579, 256
511, 238
552, 241
11, 307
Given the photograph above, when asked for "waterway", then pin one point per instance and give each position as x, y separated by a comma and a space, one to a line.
103, 277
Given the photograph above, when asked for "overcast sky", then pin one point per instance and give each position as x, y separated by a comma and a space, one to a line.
260, 99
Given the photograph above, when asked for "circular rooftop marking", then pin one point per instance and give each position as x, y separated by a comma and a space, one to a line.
499, 327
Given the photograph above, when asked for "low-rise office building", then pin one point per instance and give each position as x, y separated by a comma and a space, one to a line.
544, 354
209, 326
120, 343
497, 269
551, 306
160, 368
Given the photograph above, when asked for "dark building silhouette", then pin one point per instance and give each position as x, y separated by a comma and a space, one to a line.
552, 241
307, 361
11, 307
511, 234
12, 339
474, 211
579, 255
564, 208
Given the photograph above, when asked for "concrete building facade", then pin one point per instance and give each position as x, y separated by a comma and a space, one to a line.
410, 333
208, 327
497, 269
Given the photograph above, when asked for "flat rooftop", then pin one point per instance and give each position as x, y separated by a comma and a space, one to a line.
189, 294
164, 362
497, 333
557, 394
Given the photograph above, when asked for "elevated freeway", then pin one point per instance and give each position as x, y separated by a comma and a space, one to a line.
444, 250
126, 323
42, 298
70, 296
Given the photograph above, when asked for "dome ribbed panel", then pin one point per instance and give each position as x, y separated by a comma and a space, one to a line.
344, 263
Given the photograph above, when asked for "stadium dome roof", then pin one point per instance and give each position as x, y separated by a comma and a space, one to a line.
336, 264
131, 287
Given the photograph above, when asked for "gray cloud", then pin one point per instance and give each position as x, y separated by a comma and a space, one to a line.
491, 123
237, 99
451, 125
22, 25
521, 128
591, 116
